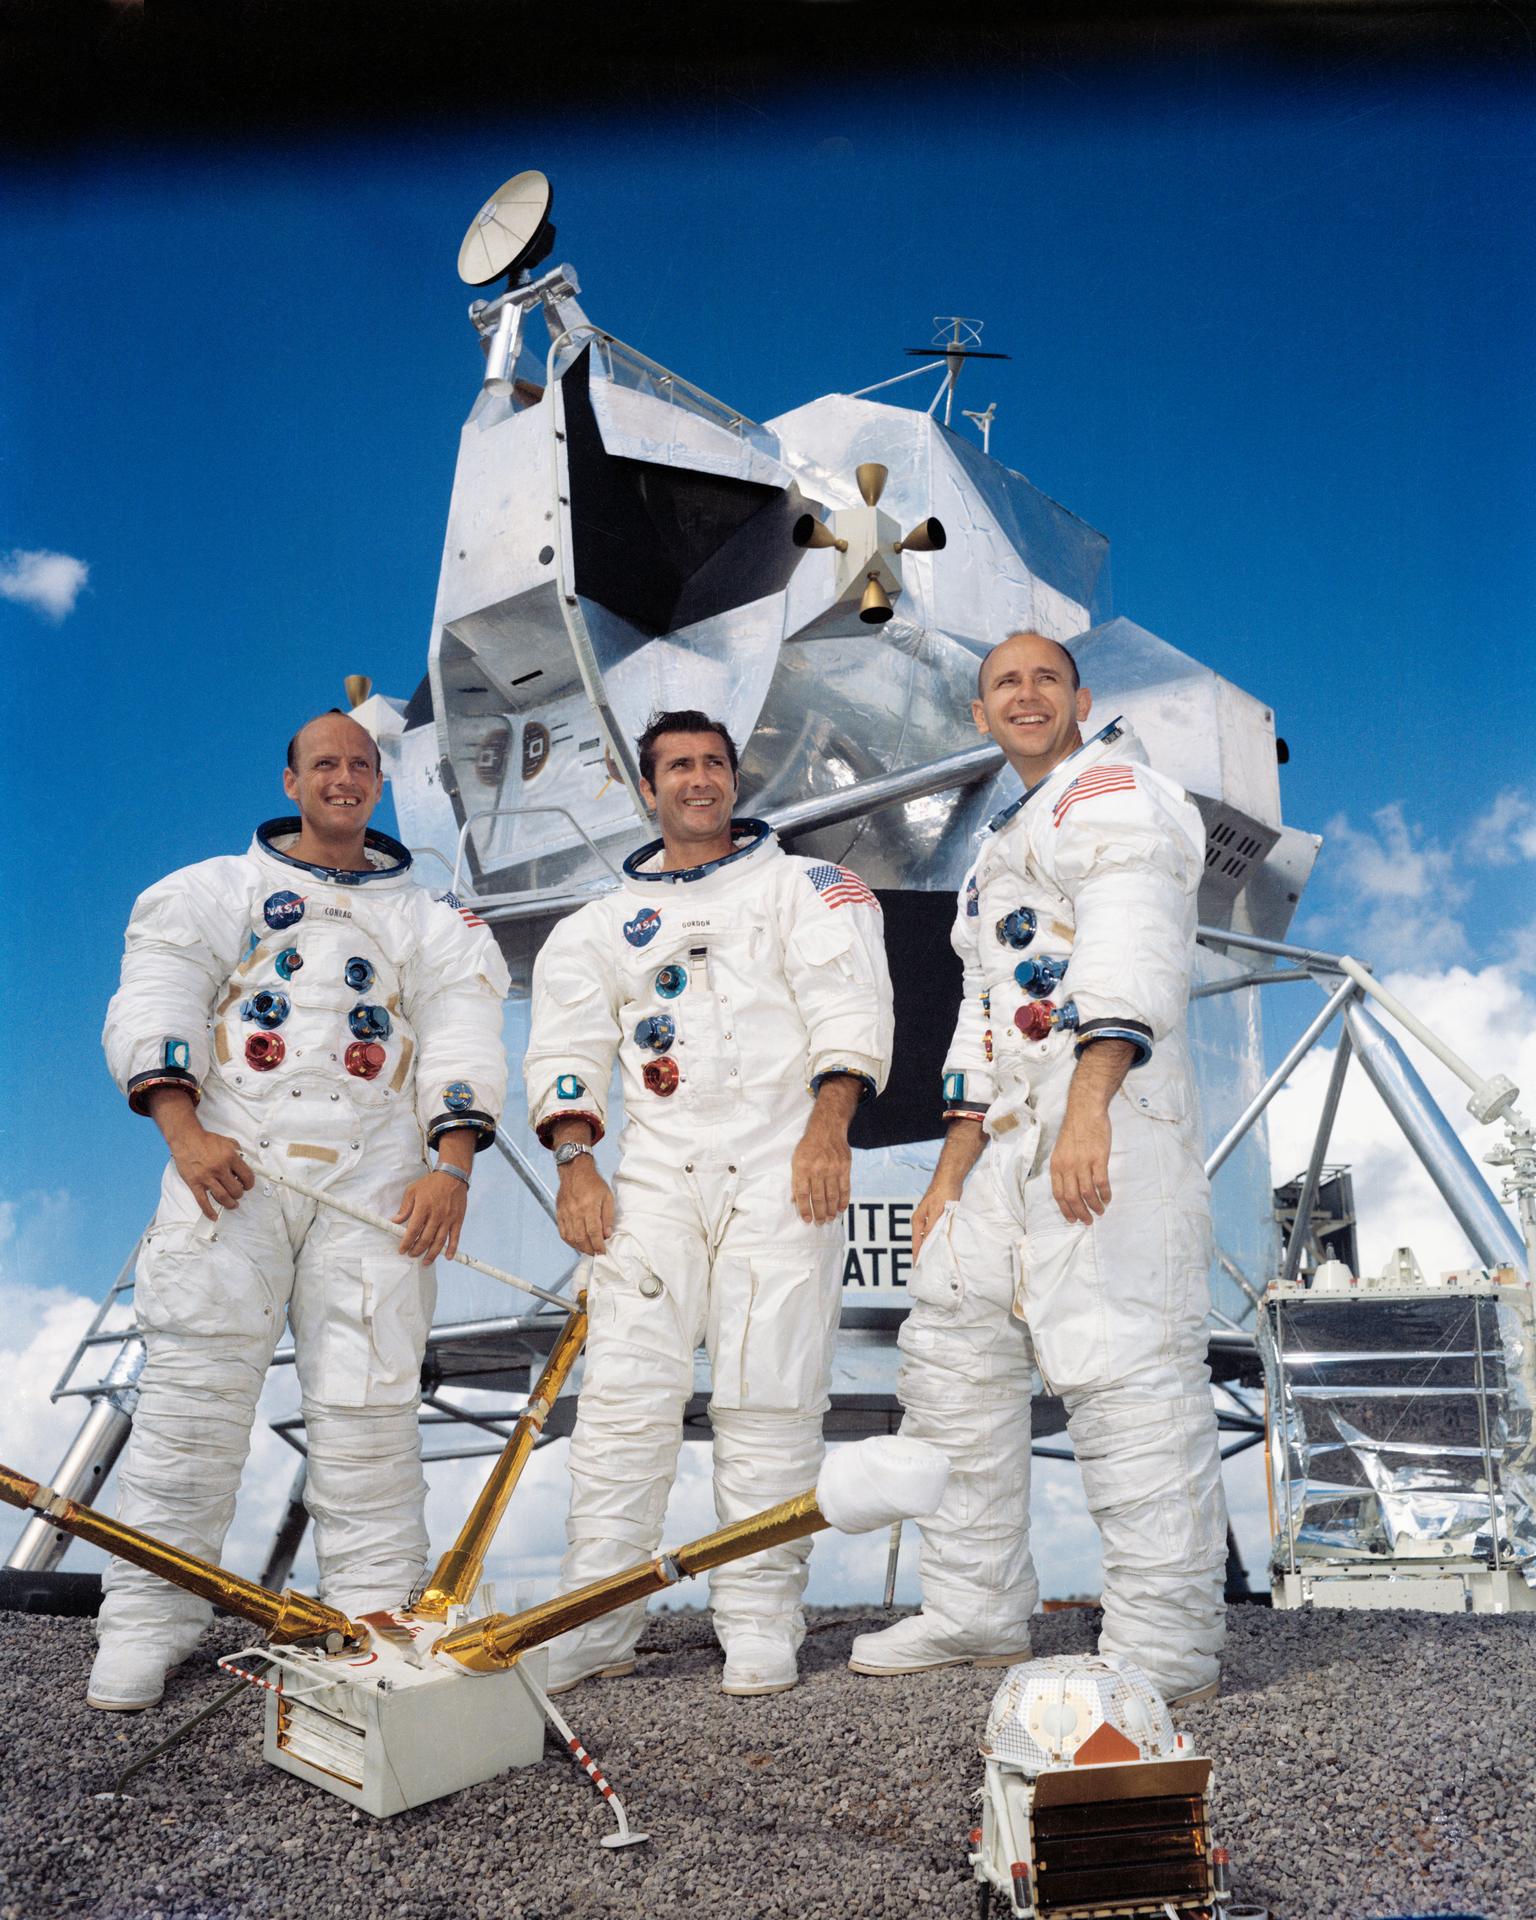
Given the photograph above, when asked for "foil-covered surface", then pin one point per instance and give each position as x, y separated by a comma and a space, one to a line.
1400, 1425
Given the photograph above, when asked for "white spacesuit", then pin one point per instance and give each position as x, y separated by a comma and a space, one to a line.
727, 992
1081, 902
337, 1024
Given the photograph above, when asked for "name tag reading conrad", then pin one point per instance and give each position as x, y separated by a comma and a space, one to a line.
879, 1253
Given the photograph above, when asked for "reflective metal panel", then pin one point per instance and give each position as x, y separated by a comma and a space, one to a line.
1400, 1425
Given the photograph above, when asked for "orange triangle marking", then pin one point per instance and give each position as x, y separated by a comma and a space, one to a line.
1104, 1744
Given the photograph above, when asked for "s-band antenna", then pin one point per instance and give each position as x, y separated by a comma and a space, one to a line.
963, 343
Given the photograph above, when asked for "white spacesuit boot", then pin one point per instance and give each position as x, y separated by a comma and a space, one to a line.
761, 1459
978, 1580
965, 1382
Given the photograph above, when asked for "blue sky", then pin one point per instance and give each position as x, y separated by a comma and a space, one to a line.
1270, 332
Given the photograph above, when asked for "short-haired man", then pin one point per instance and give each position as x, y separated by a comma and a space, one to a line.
1079, 1240
744, 994
307, 1005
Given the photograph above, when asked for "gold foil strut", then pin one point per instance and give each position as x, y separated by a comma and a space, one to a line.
492, 1644
457, 1574
282, 1616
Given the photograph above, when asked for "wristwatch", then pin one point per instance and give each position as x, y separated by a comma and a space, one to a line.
572, 1150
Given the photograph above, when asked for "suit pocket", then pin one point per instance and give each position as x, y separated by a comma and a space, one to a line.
374, 1317
775, 1321
936, 1281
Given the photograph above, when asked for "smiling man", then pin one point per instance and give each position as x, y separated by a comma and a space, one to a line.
744, 994
302, 1005
1067, 1224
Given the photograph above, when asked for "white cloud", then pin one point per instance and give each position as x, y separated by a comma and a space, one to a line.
1506, 833
48, 583
1392, 892
1490, 1019
42, 1326
1521, 948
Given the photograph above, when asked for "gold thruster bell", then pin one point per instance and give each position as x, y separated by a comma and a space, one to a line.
928, 536
875, 607
358, 687
808, 531
871, 477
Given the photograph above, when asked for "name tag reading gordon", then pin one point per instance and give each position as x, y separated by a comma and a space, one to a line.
878, 1255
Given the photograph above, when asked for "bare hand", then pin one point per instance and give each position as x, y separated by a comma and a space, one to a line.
821, 1171
930, 1210
1080, 1165
584, 1206
432, 1213
213, 1166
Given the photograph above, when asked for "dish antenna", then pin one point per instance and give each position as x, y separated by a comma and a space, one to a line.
510, 233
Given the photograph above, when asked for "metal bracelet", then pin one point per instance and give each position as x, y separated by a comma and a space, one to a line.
454, 1173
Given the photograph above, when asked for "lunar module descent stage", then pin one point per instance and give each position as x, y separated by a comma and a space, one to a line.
825, 582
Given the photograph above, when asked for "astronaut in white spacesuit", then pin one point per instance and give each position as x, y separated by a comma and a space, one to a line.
745, 995
1067, 1225
303, 1004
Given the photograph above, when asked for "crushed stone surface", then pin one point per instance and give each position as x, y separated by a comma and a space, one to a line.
1366, 1764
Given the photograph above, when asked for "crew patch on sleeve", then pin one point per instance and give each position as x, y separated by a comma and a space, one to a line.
840, 888
450, 899
1117, 778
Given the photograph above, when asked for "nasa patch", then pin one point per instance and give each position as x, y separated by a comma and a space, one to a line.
458, 1096
282, 910
643, 929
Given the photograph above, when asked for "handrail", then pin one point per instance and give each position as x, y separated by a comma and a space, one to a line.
509, 813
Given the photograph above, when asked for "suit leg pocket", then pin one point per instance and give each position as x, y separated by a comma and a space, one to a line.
365, 1333
936, 1281
772, 1331
190, 1281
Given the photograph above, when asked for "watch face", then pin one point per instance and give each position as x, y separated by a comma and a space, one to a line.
569, 1152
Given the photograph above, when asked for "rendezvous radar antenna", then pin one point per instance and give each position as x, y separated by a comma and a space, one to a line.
511, 233
963, 342
510, 236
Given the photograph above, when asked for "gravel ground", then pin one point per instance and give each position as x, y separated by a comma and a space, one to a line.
1366, 1764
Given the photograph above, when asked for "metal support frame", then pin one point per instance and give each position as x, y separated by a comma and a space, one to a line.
1308, 1195
1432, 1138
1281, 1074
525, 1170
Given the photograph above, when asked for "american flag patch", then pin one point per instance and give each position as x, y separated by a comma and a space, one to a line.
452, 900
840, 888
1089, 785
